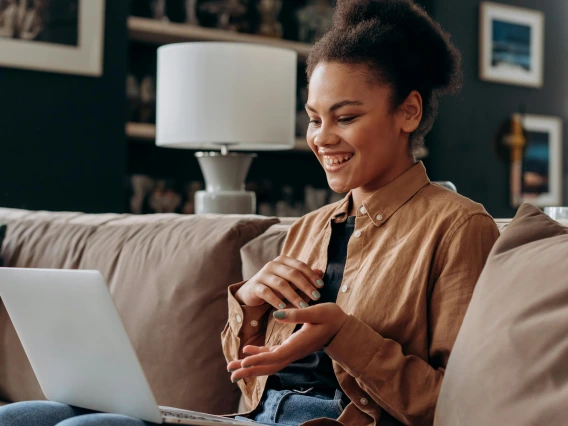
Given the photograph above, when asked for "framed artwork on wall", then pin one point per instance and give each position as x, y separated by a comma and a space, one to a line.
511, 45
542, 174
64, 36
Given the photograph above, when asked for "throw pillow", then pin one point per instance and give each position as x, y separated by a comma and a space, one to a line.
508, 364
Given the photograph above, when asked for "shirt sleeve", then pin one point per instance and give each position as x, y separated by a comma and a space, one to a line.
246, 326
407, 386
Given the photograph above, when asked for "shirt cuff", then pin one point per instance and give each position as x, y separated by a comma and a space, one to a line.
244, 320
354, 334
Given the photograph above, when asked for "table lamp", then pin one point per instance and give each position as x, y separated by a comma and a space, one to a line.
225, 96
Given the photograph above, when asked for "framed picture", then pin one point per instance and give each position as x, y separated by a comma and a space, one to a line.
63, 36
542, 162
511, 44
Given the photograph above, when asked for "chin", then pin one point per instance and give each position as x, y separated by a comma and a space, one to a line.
339, 187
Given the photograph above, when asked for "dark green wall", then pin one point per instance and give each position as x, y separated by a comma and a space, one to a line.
62, 142
460, 144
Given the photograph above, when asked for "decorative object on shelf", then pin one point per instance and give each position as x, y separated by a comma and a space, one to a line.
148, 99
511, 45
225, 11
302, 118
225, 96
314, 20
542, 161
269, 11
191, 12
159, 12
515, 141
64, 36
141, 186
132, 98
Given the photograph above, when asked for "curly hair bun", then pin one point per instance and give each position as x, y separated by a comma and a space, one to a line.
411, 30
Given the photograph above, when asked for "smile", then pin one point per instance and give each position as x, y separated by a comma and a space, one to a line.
335, 162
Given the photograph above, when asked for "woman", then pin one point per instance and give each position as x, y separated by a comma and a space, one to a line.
401, 255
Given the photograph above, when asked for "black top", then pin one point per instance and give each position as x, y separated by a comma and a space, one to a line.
316, 370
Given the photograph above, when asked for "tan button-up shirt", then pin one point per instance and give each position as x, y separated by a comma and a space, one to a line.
412, 264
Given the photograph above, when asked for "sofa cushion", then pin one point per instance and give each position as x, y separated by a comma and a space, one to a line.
168, 276
264, 248
508, 364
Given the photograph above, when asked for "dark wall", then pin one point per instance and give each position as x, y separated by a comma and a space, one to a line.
461, 143
62, 136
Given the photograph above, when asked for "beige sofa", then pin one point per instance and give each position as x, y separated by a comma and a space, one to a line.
168, 276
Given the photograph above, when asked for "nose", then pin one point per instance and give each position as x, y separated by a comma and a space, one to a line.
325, 136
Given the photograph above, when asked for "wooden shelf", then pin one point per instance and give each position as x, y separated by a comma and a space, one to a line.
158, 32
147, 133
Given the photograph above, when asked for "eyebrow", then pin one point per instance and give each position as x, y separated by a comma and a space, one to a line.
336, 105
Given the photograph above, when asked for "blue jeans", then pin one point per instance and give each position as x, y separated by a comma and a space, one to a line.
291, 408
283, 407
46, 413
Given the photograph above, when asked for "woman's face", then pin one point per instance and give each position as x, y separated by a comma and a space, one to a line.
358, 140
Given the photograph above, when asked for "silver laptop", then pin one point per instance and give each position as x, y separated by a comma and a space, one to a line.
78, 347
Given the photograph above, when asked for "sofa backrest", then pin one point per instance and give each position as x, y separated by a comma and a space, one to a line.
168, 275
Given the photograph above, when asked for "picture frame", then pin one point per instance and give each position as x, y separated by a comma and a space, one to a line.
542, 173
511, 45
54, 36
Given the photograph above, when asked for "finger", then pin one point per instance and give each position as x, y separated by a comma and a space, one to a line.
312, 315
296, 278
234, 365
313, 277
264, 370
284, 288
281, 356
264, 292
255, 350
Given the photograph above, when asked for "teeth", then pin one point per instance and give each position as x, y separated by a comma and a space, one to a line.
336, 160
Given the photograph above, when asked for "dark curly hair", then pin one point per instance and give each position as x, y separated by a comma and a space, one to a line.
402, 47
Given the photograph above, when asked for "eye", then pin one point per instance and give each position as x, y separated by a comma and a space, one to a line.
314, 121
346, 120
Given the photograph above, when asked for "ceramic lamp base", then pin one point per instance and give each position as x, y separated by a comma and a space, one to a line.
225, 182
225, 202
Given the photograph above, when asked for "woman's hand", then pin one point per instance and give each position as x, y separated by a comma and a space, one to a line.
321, 324
278, 281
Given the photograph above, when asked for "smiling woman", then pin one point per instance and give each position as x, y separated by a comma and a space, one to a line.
390, 270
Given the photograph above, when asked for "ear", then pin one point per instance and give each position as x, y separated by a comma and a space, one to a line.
411, 112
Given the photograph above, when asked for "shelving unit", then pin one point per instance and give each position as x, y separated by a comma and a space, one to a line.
147, 133
157, 32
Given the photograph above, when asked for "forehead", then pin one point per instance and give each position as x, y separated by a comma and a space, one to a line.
332, 82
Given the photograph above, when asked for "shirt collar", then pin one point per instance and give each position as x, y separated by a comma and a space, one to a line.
385, 201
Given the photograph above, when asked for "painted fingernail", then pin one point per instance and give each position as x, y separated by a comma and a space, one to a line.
235, 380
279, 314
319, 283
232, 370
248, 366
303, 305
282, 306
316, 294
247, 353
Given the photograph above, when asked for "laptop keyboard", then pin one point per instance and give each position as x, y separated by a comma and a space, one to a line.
188, 415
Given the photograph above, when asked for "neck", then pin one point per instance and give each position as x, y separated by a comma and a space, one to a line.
358, 195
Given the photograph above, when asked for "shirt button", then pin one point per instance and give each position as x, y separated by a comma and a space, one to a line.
379, 217
364, 401
363, 210
357, 234
344, 288
254, 323
239, 319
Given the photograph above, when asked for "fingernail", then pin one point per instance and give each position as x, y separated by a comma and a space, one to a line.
319, 283
282, 306
303, 305
248, 366
316, 294
246, 353
279, 314
233, 370
235, 381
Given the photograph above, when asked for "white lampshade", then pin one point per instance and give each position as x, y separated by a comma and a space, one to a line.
241, 95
